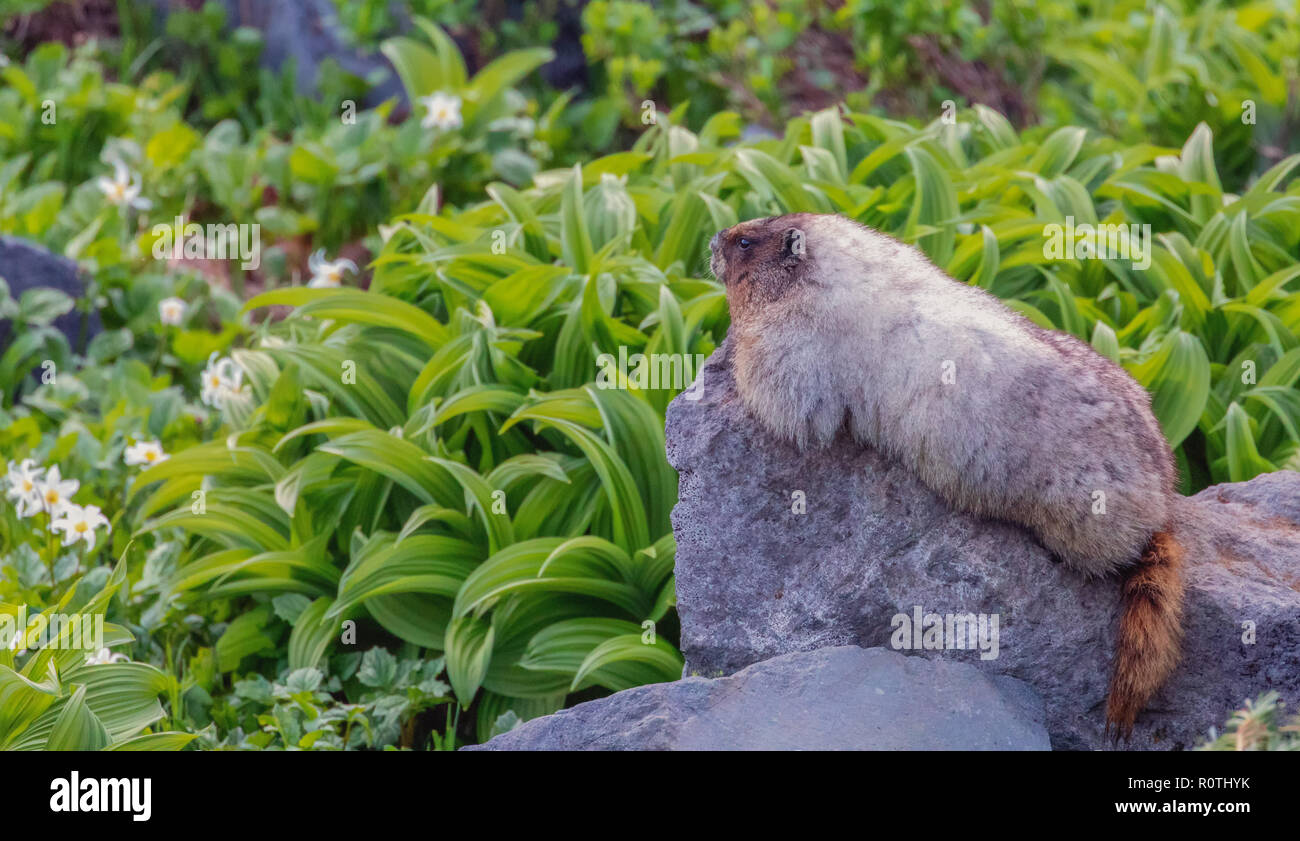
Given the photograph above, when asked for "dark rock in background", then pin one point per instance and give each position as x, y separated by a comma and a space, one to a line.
755, 580
844, 698
307, 33
24, 266
569, 67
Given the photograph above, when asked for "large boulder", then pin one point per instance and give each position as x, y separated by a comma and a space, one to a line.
846, 698
25, 266
781, 551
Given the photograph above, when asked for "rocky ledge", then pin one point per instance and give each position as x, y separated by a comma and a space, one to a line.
781, 551
844, 698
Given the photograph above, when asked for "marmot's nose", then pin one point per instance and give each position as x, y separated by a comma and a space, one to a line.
713, 243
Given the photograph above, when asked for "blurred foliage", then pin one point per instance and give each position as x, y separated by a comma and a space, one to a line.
1257, 726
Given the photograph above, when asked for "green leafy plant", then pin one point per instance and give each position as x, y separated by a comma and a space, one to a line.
1258, 725
1153, 72
56, 697
300, 710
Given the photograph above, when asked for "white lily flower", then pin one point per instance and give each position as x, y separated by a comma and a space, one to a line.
123, 188
171, 311
444, 111
56, 492
103, 657
327, 274
220, 380
145, 452
24, 487
78, 523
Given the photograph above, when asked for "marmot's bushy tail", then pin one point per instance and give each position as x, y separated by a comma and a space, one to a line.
1150, 631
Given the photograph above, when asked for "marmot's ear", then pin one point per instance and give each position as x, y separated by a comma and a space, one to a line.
794, 244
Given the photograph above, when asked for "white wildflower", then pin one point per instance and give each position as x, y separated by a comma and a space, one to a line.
145, 452
444, 111
221, 380
103, 657
123, 188
24, 487
56, 492
327, 274
171, 311
78, 523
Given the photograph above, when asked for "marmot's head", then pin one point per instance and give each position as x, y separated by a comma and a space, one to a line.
781, 259
781, 276
802, 290
762, 260
806, 261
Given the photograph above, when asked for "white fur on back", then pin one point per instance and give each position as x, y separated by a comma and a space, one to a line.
995, 415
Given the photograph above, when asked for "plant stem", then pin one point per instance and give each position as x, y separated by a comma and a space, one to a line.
50, 548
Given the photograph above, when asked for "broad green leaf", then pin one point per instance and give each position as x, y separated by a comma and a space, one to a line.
1178, 376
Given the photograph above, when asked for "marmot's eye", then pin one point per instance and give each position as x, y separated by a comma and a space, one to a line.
744, 243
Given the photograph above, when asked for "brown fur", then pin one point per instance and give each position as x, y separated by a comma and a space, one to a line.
1150, 631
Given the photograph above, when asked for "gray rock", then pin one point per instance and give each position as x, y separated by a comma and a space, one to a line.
755, 580
844, 698
24, 266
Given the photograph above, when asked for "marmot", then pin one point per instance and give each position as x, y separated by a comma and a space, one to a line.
834, 324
